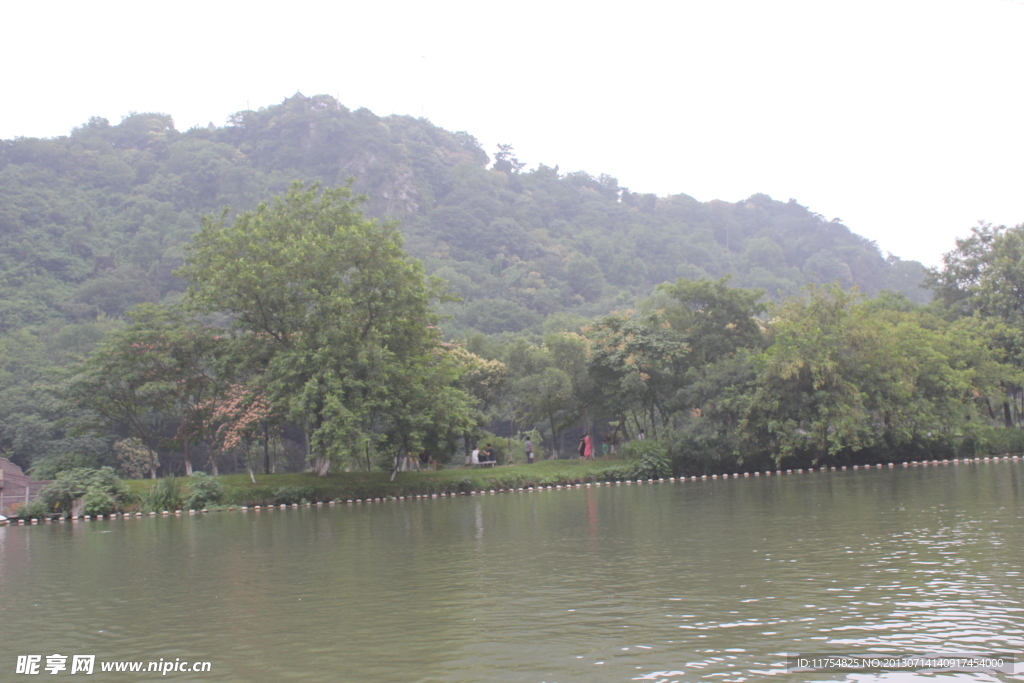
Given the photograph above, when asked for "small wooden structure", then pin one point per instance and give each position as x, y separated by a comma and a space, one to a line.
16, 487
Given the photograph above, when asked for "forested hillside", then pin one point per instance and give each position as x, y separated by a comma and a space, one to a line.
98, 222
95, 222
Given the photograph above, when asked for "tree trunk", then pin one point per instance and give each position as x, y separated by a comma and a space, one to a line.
266, 449
401, 462
554, 436
1007, 418
636, 422
188, 460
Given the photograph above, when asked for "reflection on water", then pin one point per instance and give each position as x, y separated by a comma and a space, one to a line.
713, 580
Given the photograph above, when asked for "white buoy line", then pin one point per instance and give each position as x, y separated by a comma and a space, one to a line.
4, 521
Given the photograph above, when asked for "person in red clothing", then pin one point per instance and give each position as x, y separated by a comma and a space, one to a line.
588, 447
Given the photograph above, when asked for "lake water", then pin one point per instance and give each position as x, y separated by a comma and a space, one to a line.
712, 580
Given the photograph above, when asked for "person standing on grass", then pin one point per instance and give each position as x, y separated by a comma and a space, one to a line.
529, 451
588, 447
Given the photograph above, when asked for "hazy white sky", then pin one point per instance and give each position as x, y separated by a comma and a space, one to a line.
900, 117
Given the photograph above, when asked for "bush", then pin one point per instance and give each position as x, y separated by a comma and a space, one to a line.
616, 473
100, 489
650, 459
35, 509
510, 481
250, 495
203, 491
164, 495
557, 478
134, 459
704, 446
98, 502
998, 440
287, 495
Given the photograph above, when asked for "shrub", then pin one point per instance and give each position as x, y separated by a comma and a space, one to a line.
164, 495
999, 440
203, 491
556, 478
510, 481
617, 473
134, 459
287, 495
650, 459
98, 502
102, 492
36, 509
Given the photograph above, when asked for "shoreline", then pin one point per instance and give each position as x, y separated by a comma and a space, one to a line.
498, 486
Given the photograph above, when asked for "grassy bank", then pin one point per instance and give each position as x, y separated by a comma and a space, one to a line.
297, 487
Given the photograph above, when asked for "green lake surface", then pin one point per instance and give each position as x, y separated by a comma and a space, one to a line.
715, 580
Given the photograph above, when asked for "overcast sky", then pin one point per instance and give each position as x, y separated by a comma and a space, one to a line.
902, 118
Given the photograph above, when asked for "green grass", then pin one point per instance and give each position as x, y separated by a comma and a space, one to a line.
239, 489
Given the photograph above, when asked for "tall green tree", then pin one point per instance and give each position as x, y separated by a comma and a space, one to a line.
843, 376
984, 274
637, 364
984, 277
157, 371
346, 313
715, 319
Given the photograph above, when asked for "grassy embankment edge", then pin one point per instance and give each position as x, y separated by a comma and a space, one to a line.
351, 487
343, 486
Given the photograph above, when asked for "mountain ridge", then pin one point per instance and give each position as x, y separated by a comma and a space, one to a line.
96, 221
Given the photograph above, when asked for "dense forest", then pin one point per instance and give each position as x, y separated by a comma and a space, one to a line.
95, 222
536, 300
